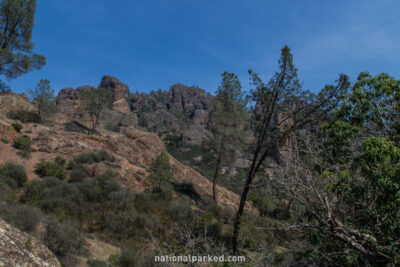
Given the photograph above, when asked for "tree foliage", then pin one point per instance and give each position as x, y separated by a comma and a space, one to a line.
16, 24
95, 101
43, 99
226, 121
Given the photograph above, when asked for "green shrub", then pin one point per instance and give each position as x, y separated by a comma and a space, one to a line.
63, 238
112, 127
5, 141
24, 116
105, 156
87, 158
62, 199
77, 174
93, 157
12, 174
23, 143
17, 126
53, 169
24, 217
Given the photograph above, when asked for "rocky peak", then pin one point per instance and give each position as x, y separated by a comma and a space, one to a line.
186, 98
120, 90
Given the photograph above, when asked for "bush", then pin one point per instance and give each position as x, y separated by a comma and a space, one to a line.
17, 126
23, 143
24, 116
87, 158
112, 127
105, 156
57, 197
51, 169
92, 157
63, 238
13, 175
77, 174
24, 217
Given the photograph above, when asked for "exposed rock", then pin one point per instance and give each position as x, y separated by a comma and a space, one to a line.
11, 101
120, 92
20, 249
67, 101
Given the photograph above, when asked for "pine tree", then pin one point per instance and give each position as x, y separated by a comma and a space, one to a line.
16, 24
226, 121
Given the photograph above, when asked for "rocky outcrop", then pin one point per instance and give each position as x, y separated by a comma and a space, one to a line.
21, 249
120, 92
11, 101
181, 111
67, 101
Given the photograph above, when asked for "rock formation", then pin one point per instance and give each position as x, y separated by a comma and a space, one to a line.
21, 249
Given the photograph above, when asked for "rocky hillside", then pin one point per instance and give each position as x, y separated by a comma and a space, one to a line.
181, 111
134, 151
20, 249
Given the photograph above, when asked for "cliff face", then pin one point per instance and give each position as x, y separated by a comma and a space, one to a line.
20, 249
181, 111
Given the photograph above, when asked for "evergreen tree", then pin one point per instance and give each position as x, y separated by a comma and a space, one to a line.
226, 120
16, 23
43, 99
95, 101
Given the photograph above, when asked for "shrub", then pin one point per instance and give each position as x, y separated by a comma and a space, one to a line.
5, 141
77, 174
53, 169
24, 217
92, 157
57, 197
12, 174
63, 238
23, 143
17, 126
87, 158
112, 127
105, 156
24, 116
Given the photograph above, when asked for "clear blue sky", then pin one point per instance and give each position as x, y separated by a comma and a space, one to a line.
151, 44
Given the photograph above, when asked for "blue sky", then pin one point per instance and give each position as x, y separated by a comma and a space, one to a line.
153, 44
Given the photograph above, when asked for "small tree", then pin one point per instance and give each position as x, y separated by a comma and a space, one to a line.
43, 99
95, 101
161, 172
16, 24
226, 120
281, 109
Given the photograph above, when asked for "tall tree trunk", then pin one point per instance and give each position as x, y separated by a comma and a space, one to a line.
239, 213
220, 155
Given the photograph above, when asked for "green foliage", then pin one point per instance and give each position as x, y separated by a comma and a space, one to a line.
93, 157
17, 126
52, 169
63, 238
161, 172
43, 99
24, 116
17, 21
112, 127
95, 101
23, 143
24, 217
12, 174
